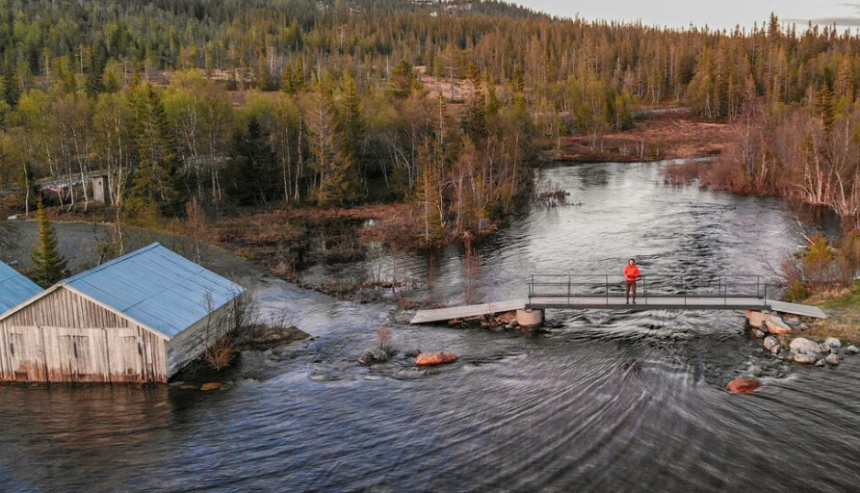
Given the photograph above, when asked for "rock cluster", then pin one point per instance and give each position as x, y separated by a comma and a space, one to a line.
808, 352
769, 323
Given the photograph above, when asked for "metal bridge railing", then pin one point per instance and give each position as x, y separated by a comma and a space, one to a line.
572, 286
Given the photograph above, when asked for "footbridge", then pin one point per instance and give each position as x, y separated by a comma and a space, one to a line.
606, 292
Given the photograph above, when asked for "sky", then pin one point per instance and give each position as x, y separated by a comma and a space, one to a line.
717, 14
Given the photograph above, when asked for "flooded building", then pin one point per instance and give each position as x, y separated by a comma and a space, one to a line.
139, 318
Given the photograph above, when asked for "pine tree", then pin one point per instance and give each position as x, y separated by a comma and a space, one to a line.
252, 175
156, 179
49, 266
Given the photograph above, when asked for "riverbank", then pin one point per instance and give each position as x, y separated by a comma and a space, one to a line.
660, 134
843, 311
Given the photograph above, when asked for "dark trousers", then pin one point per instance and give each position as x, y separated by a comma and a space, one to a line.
631, 285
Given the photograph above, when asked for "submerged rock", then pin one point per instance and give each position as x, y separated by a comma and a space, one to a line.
211, 386
756, 371
776, 326
432, 359
819, 362
804, 359
374, 355
771, 344
804, 345
743, 385
758, 333
833, 359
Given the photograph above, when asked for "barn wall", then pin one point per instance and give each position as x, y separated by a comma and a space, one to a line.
192, 342
64, 337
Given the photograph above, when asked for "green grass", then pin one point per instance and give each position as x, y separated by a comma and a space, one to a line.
849, 299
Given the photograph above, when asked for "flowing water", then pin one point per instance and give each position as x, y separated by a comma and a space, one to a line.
604, 402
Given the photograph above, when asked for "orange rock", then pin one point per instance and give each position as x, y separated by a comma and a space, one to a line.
743, 385
432, 359
776, 326
211, 386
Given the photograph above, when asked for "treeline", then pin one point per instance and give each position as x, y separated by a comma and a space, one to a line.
251, 102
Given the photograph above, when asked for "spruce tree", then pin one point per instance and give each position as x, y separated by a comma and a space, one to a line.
49, 266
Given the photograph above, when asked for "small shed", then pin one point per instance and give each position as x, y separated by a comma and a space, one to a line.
139, 318
14, 288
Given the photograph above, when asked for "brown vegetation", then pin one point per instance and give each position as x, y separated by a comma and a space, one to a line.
668, 133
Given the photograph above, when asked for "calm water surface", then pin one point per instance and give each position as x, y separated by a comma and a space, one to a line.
605, 402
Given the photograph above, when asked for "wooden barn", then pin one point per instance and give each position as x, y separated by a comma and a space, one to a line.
139, 318
14, 288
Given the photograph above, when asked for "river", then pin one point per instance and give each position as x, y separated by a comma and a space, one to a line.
604, 402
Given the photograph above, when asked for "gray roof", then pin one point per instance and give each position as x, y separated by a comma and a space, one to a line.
157, 288
14, 288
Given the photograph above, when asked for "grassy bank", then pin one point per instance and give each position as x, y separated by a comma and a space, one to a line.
843, 310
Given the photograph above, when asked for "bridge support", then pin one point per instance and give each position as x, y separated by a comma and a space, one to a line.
530, 318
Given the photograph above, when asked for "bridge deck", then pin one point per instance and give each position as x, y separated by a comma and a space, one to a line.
618, 303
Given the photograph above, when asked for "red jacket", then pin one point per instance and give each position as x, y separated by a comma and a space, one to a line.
631, 272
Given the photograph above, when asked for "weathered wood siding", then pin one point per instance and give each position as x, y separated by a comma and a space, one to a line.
64, 337
192, 342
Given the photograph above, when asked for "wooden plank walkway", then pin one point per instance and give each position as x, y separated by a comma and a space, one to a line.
618, 303
456, 312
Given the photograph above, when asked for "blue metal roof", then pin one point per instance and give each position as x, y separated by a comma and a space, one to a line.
14, 288
157, 288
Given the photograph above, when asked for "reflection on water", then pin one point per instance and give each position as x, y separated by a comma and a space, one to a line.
606, 402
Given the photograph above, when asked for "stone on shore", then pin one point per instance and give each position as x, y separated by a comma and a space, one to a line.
833, 359
792, 322
804, 345
757, 319
776, 326
852, 349
833, 342
758, 333
819, 362
432, 359
771, 343
743, 385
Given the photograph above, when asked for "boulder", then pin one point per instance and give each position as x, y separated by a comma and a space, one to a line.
757, 319
373, 355
804, 345
432, 359
771, 343
792, 322
825, 349
758, 333
776, 326
833, 359
833, 342
852, 349
804, 359
756, 371
743, 385
819, 362
211, 386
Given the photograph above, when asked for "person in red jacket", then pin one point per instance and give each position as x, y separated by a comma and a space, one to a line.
631, 275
